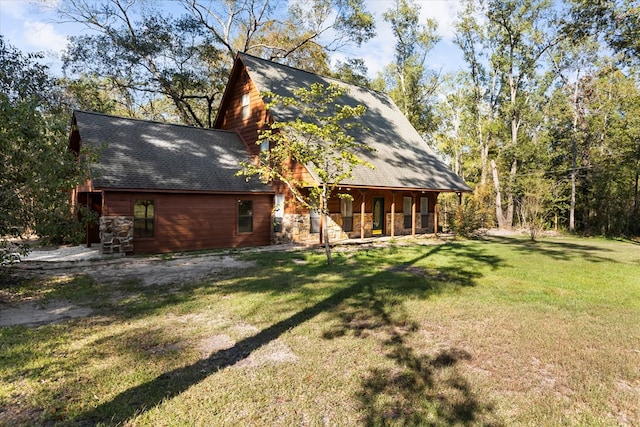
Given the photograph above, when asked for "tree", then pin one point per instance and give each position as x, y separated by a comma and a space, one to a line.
617, 21
147, 56
407, 80
144, 51
38, 170
318, 138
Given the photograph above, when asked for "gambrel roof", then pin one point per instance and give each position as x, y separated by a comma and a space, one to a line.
147, 155
401, 158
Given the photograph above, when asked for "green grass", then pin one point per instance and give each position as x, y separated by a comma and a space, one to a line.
496, 332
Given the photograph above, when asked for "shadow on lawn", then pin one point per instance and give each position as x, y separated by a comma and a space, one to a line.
372, 302
560, 250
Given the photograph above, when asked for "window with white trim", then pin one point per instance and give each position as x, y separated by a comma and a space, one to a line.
406, 210
246, 106
424, 212
346, 210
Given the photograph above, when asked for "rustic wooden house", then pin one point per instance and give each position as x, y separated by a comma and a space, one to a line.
162, 188
398, 196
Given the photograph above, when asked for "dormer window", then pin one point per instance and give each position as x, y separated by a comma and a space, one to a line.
246, 106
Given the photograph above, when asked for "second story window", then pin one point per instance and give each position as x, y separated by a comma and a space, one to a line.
246, 106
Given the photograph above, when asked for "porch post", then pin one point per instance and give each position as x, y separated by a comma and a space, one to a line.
459, 207
413, 215
435, 216
362, 192
393, 213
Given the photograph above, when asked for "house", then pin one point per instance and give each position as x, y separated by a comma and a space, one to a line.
398, 196
160, 187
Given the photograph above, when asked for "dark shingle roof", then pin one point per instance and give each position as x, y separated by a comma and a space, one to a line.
401, 158
141, 154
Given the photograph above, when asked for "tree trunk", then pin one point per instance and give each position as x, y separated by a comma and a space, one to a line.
496, 184
325, 220
510, 202
325, 235
635, 217
574, 159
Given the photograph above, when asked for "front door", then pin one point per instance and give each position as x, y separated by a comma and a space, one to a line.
378, 216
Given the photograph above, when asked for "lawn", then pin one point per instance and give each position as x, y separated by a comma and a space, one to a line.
494, 332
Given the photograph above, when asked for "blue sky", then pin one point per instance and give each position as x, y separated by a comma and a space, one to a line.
31, 27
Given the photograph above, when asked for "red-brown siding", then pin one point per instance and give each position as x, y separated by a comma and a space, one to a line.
195, 221
232, 118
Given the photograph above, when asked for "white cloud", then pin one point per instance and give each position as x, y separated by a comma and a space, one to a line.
43, 36
445, 12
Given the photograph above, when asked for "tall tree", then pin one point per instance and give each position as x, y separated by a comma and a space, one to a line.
407, 80
37, 169
616, 21
147, 52
147, 56
319, 138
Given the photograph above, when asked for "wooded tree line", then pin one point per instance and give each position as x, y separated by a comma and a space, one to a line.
543, 119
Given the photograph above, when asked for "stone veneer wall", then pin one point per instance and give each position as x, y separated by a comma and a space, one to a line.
295, 228
116, 235
399, 225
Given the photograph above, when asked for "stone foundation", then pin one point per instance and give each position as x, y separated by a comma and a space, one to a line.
295, 228
399, 225
116, 235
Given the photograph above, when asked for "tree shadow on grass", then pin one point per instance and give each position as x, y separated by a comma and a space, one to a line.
418, 388
376, 294
559, 250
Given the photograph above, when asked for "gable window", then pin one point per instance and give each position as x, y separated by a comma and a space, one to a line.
346, 210
246, 106
406, 210
424, 212
143, 218
245, 216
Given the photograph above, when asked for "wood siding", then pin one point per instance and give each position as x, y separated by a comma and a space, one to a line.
195, 221
232, 117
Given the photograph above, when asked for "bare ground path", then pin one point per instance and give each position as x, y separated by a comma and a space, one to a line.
71, 261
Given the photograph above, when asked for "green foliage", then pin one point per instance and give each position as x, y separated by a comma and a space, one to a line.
477, 212
319, 138
38, 171
174, 68
407, 80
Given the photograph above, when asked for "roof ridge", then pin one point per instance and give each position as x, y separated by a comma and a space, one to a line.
135, 119
312, 73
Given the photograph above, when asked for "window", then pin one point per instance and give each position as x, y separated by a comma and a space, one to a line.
143, 218
245, 216
278, 212
264, 146
424, 212
346, 210
246, 106
406, 209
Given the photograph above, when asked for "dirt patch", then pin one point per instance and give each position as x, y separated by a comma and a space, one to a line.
31, 313
149, 271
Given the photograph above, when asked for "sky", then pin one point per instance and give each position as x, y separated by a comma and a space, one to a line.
31, 27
